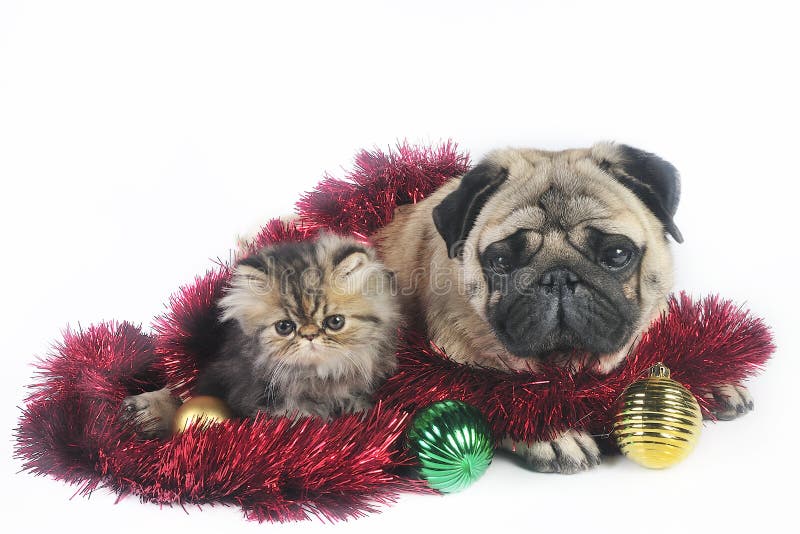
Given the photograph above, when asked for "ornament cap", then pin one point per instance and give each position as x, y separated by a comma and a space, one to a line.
659, 370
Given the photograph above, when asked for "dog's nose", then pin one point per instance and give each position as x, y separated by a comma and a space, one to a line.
559, 277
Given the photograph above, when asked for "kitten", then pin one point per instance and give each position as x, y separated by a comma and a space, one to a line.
311, 330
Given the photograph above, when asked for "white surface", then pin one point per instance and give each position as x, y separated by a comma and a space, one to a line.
138, 138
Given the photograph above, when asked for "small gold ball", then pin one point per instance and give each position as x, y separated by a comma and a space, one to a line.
658, 422
202, 410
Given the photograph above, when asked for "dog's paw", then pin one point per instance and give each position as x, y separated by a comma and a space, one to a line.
572, 452
732, 401
150, 413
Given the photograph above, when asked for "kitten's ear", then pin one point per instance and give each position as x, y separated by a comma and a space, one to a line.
255, 263
351, 259
244, 298
253, 269
244, 274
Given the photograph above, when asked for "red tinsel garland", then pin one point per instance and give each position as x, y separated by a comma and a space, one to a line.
703, 343
278, 471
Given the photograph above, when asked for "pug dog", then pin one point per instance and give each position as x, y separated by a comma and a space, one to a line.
537, 257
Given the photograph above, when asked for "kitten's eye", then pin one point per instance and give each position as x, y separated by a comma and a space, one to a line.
615, 258
334, 322
284, 327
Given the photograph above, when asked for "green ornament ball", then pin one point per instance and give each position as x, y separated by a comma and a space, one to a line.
452, 442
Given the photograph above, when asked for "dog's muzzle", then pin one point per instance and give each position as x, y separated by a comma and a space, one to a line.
557, 312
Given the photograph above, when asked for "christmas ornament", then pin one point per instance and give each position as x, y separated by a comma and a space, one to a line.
202, 410
452, 443
658, 422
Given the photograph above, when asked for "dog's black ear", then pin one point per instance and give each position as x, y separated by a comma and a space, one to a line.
655, 181
455, 216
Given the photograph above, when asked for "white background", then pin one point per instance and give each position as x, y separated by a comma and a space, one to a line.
137, 139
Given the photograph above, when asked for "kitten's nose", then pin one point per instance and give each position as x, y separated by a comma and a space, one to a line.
308, 331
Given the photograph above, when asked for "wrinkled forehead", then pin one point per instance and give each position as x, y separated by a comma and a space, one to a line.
558, 194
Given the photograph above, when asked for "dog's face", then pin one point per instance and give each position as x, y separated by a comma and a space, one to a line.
567, 251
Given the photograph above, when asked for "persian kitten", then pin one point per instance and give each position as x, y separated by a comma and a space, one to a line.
311, 329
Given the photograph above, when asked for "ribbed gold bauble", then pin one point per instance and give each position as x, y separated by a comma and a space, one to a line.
658, 422
202, 410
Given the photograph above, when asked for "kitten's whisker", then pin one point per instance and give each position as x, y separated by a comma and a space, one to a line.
275, 379
354, 368
359, 366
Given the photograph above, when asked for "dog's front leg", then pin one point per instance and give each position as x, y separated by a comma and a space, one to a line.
732, 401
571, 452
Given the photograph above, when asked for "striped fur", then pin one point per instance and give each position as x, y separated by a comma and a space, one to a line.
314, 369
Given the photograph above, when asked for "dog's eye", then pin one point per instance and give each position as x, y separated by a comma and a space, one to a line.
334, 322
285, 327
615, 258
500, 264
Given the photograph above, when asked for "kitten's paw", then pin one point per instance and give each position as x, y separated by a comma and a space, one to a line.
733, 401
360, 406
572, 452
150, 413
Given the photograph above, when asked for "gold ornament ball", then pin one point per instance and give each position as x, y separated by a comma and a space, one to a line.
202, 410
658, 422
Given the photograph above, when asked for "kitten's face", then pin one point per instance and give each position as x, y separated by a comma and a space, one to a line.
322, 305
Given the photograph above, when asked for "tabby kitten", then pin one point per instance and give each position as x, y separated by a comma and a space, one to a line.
311, 330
